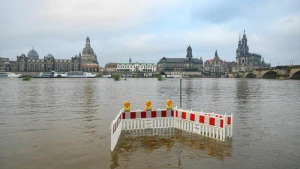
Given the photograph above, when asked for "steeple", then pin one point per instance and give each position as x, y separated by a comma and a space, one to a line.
244, 36
189, 48
189, 54
216, 53
87, 43
130, 61
244, 41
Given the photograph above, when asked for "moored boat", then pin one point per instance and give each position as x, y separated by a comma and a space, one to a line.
173, 76
51, 74
61, 75
106, 76
9, 75
80, 74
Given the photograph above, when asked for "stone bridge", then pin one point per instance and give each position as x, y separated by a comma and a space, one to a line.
278, 72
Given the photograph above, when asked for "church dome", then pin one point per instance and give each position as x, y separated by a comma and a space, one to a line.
50, 56
33, 54
88, 50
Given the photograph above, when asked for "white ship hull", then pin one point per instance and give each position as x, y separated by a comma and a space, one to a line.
173, 76
80, 75
9, 75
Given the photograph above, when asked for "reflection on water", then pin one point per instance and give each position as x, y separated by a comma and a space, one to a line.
64, 123
188, 92
173, 144
242, 92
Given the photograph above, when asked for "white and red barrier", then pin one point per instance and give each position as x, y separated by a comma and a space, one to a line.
212, 125
115, 130
208, 124
141, 119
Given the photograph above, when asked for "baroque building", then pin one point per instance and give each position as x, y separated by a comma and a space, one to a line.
135, 67
86, 62
181, 64
89, 58
245, 60
216, 67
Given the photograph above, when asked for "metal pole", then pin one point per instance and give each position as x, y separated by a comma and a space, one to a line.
180, 93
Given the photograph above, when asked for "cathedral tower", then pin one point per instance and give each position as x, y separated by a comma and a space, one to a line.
189, 54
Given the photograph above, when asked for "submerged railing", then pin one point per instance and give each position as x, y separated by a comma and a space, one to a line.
211, 125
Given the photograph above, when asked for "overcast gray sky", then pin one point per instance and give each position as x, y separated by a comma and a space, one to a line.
148, 30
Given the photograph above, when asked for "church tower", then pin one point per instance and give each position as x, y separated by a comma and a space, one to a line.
243, 49
87, 42
189, 54
88, 55
244, 46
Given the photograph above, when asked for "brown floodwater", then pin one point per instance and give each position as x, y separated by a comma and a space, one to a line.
64, 124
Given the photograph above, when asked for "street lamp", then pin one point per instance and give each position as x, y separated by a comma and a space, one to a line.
180, 92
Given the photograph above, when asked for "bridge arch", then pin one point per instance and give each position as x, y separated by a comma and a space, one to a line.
227, 76
250, 75
270, 75
296, 75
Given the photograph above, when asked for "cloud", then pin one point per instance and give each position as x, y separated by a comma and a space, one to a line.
148, 30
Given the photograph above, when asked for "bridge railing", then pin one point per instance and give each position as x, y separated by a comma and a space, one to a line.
211, 125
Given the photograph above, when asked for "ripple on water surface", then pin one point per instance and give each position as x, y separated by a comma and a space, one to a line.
68, 120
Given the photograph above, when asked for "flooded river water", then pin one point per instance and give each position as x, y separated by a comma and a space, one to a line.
64, 124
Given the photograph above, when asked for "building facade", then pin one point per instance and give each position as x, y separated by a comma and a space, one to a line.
216, 66
3, 63
180, 64
111, 67
246, 61
86, 62
136, 67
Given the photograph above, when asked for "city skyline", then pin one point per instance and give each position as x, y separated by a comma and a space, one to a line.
149, 30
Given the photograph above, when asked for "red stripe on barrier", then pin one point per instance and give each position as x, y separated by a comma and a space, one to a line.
220, 116
221, 123
212, 121
176, 113
143, 114
153, 114
123, 115
164, 113
132, 115
183, 115
229, 120
172, 113
192, 117
201, 120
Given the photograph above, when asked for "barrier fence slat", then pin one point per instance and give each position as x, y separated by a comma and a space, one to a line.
211, 125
